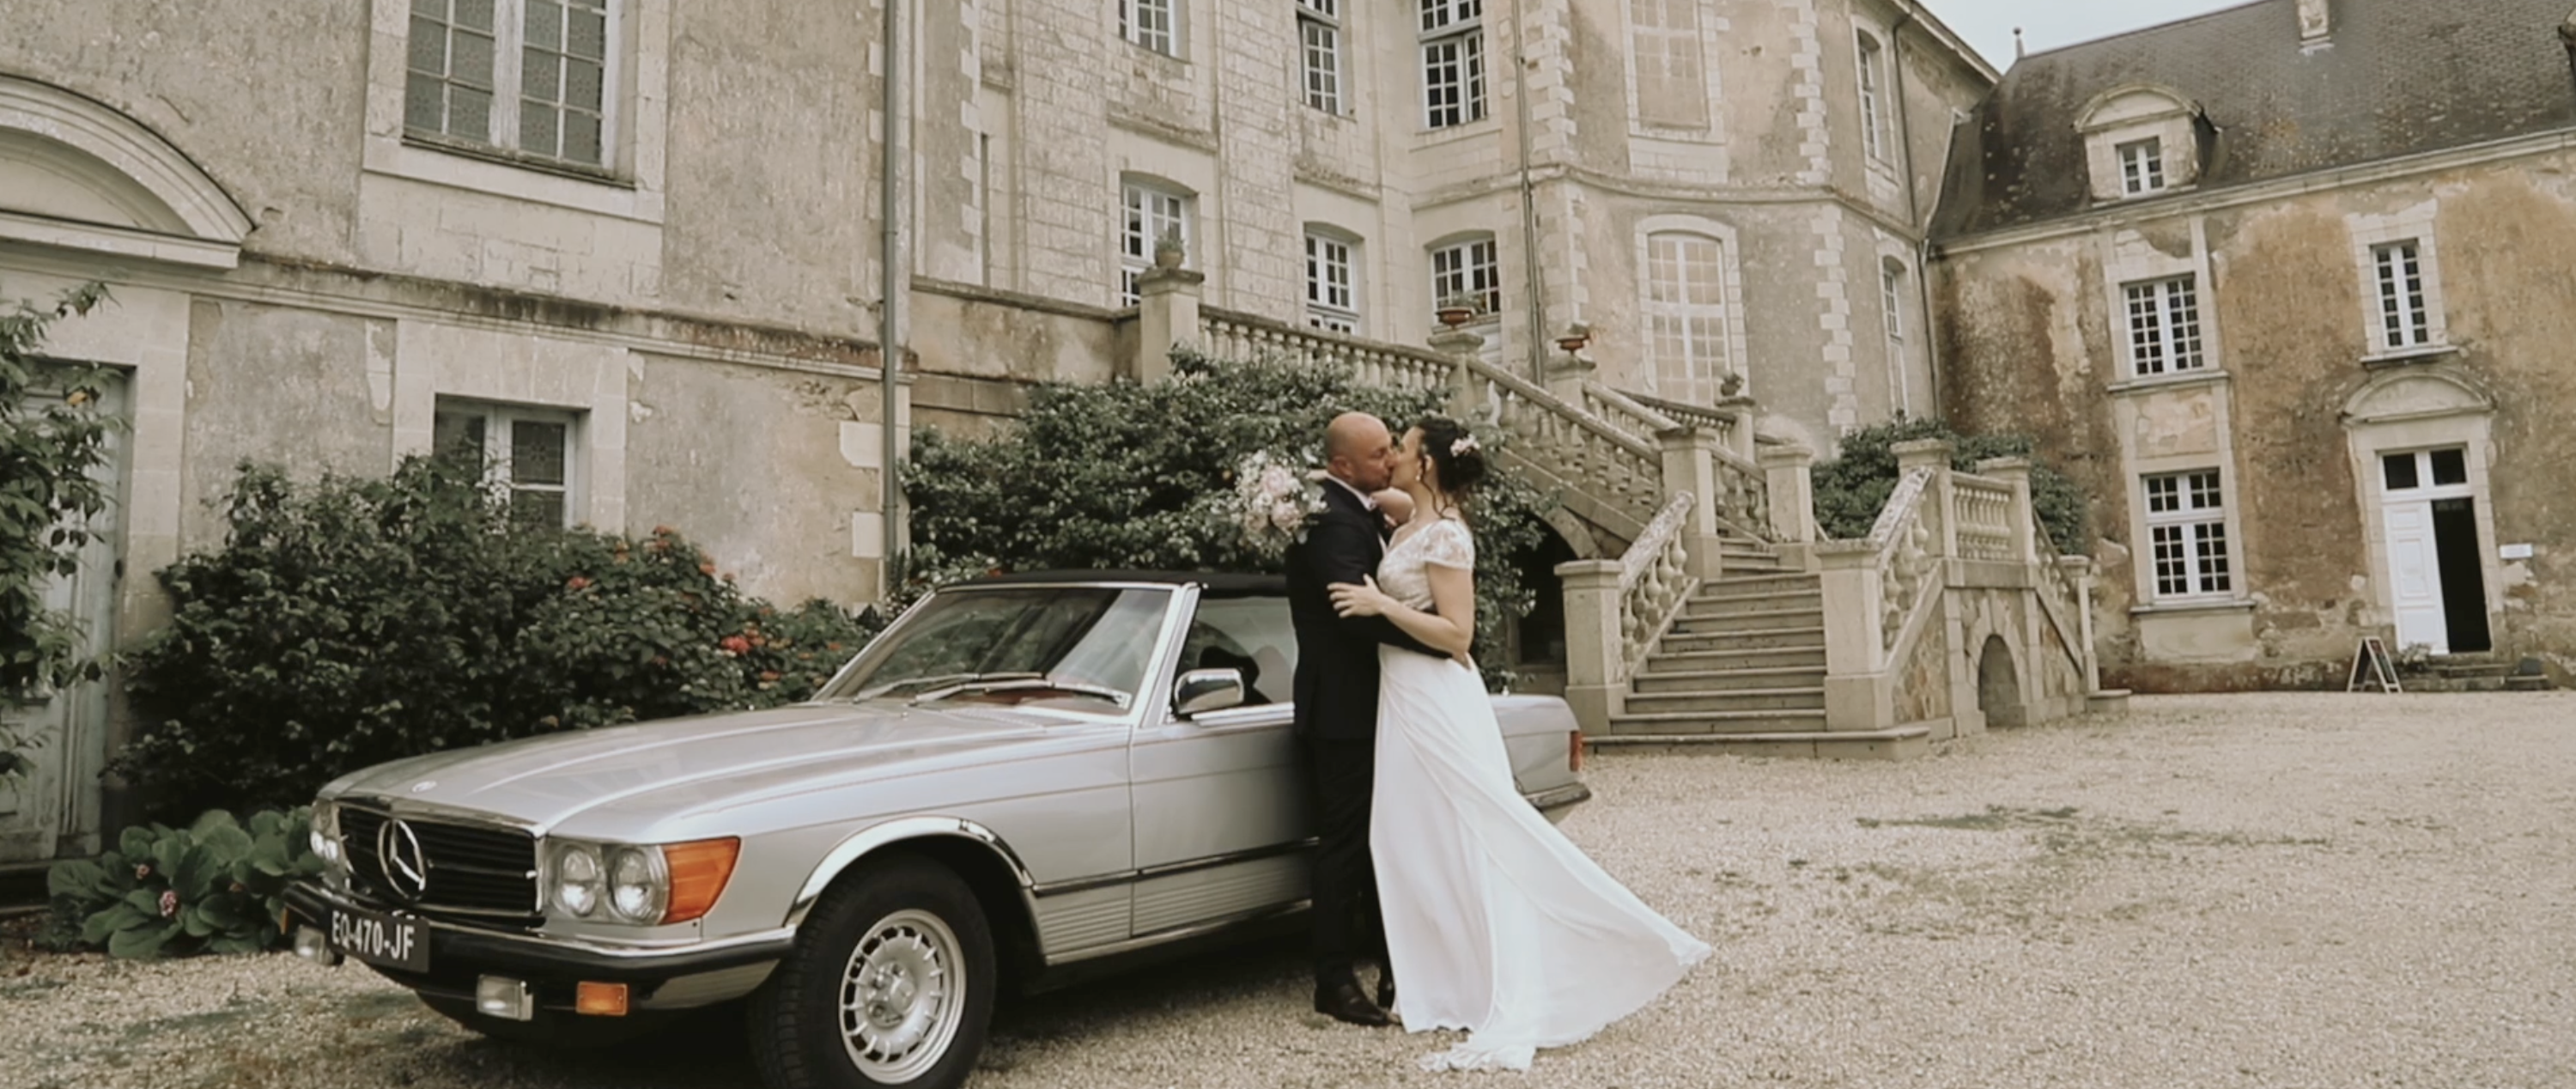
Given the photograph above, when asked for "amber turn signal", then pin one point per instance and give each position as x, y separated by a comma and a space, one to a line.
699, 870
600, 999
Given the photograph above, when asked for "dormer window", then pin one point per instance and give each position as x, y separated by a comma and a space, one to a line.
2142, 167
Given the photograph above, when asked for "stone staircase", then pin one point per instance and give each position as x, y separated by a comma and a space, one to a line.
1742, 670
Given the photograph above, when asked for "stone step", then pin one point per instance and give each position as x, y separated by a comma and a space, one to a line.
1696, 642
1721, 604
1748, 620
1901, 743
1747, 700
1763, 582
1674, 723
1727, 680
1730, 658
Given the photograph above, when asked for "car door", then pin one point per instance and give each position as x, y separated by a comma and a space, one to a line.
1221, 824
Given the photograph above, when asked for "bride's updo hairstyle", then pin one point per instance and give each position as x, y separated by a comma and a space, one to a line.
1457, 460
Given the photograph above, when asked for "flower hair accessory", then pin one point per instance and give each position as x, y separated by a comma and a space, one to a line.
1465, 445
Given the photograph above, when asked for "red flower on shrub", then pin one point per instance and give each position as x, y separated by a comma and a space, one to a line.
707, 568
576, 582
169, 904
767, 675
735, 644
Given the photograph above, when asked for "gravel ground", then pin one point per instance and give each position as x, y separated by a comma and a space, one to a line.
2266, 890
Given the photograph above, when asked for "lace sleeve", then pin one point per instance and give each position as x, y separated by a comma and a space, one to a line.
1450, 545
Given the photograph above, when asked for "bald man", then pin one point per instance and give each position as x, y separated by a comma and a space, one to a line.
1336, 721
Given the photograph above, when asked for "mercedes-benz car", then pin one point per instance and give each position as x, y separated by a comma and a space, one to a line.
1022, 779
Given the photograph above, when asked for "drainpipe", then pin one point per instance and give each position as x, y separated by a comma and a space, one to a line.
1913, 205
894, 276
1536, 283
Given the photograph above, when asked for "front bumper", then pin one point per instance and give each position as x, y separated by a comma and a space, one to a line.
665, 977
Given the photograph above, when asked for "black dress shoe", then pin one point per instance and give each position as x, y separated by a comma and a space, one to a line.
1344, 1002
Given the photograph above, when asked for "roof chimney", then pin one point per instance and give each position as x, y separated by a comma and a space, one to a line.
2315, 22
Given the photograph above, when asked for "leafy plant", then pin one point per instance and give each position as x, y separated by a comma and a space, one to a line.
1130, 475
1852, 489
216, 886
353, 620
52, 441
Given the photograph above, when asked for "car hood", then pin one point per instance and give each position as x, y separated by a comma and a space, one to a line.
671, 769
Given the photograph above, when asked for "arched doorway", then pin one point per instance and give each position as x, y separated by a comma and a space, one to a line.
1999, 685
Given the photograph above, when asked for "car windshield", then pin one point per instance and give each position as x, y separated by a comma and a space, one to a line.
1079, 647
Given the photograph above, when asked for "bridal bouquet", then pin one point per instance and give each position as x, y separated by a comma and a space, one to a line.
1274, 496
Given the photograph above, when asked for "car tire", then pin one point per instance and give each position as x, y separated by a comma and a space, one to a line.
908, 944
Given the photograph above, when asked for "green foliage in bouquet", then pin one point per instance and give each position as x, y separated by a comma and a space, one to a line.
1141, 476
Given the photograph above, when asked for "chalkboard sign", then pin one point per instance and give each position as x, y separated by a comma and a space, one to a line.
2371, 666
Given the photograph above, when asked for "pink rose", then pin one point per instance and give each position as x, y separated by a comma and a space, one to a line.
1283, 514
169, 903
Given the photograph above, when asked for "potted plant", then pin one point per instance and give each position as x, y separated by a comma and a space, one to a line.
1457, 310
1169, 250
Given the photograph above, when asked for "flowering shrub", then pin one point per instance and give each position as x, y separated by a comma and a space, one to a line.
1136, 475
357, 620
215, 886
53, 439
1851, 489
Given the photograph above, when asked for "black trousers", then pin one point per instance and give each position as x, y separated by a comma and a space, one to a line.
1347, 923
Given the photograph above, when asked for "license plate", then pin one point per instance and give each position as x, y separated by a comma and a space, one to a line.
377, 938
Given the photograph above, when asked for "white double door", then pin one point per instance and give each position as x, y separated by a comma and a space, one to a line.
52, 810
2412, 483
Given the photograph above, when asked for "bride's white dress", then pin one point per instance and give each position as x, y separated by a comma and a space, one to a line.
1495, 922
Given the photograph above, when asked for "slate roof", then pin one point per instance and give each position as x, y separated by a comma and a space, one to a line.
2402, 77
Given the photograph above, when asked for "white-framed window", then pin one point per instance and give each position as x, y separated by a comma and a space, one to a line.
2187, 534
534, 77
1453, 62
1154, 24
1319, 43
1671, 72
1332, 283
1150, 214
2405, 314
2142, 166
1873, 96
2164, 326
1685, 315
1891, 297
529, 454
1467, 269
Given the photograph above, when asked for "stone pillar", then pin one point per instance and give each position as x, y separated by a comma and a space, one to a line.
1167, 316
2079, 569
1739, 436
1594, 651
1788, 480
1464, 348
1857, 695
2016, 472
1566, 373
1690, 465
1933, 454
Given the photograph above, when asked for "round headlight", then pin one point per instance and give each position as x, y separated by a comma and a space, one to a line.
325, 835
636, 889
577, 881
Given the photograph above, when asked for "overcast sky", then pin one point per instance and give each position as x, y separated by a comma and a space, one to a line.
2046, 24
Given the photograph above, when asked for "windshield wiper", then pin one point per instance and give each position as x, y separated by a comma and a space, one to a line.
941, 681
997, 682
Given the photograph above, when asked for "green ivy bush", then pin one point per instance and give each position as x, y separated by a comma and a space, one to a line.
356, 620
1139, 476
1853, 488
52, 441
215, 886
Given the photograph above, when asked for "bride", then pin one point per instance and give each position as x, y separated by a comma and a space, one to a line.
1495, 922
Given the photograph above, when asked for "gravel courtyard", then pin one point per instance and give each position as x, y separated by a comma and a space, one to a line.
2266, 890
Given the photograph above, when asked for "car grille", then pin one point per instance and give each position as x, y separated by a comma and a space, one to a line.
476, 873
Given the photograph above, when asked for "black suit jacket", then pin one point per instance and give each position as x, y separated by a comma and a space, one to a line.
1337, 656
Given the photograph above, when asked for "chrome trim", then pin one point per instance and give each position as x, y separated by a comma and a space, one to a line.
636, 951
858, 845
1560, 797
1177, 933
397, 808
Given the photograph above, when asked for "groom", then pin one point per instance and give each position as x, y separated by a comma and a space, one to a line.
1336, 720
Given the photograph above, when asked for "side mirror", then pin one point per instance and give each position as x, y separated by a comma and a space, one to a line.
1204, 690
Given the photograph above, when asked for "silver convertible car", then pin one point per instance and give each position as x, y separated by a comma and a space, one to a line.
1023, 779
